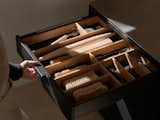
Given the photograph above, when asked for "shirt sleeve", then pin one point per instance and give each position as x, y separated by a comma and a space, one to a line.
15, 71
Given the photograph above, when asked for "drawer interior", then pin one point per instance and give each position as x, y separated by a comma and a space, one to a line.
88, 58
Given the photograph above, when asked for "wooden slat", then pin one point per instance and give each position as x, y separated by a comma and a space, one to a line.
75, 72
103, 78
30, 40
60, 59
80, 29
148, 64
69, 72
57, 32
56, 67
81, 37
90, 46
92, 58
144, 61
103, 23
67, 63
110, 48
139, 68
120, 57
123, 73
51, 62
113, 80
64, 37
69, 48
50, 48
89, 92
93, 20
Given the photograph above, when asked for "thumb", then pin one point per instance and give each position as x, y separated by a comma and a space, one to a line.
29, 63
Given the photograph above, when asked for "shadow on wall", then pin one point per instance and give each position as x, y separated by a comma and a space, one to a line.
21, 16
142, 14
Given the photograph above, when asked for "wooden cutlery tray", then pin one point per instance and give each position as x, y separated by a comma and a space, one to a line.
83, 62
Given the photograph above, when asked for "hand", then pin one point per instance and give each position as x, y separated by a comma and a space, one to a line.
28, 68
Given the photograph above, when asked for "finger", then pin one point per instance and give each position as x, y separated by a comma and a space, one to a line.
33, 72
31, 63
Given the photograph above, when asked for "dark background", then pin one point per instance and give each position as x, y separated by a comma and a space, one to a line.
143, 14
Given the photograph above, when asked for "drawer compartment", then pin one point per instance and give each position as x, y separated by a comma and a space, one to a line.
88, 62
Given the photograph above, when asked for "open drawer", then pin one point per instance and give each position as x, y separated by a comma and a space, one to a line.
87, 64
